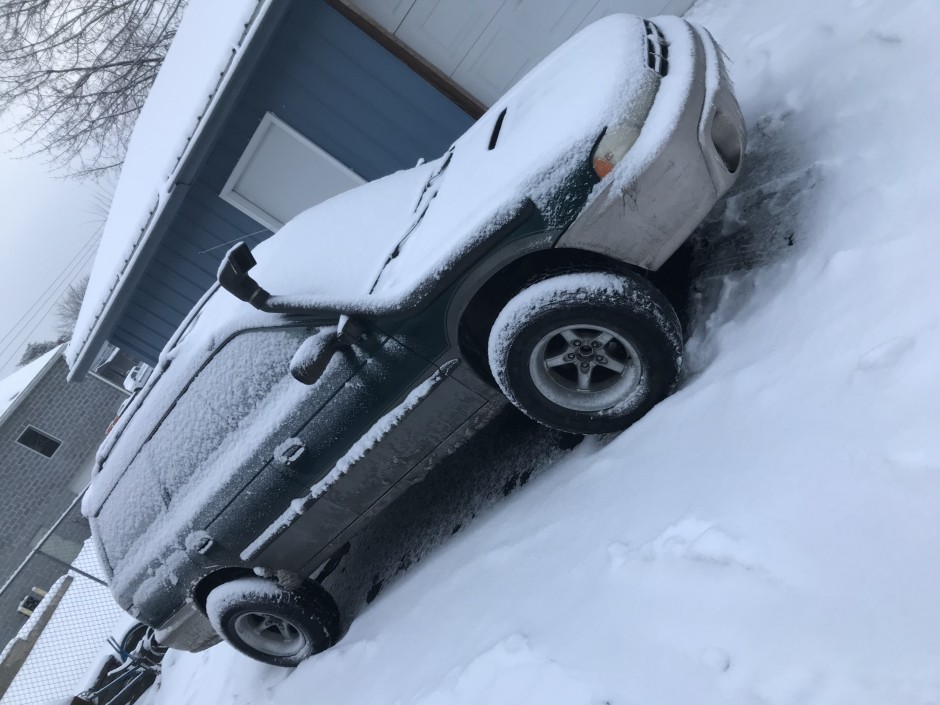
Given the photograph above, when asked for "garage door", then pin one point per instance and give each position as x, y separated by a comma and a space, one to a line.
485, 46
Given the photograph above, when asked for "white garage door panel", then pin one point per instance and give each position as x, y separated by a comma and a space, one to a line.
677, 7
443, 31
521, 35
387, 13
643, 8
551, 18
498, 63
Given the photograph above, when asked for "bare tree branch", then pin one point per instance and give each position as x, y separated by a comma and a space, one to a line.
35, 350
74, 74
68, 306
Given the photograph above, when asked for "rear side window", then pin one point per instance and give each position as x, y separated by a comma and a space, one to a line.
224, 412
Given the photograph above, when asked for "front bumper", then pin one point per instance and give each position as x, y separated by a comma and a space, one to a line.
675, 172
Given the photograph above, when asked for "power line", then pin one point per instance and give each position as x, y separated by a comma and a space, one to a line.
39, 310
55, 282
49, 307
14, 333
46, 308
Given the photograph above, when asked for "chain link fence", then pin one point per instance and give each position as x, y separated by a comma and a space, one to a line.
56, 614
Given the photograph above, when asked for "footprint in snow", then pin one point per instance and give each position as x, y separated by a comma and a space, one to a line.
888, 38
716, 659
885, 355
689, 539
509, 672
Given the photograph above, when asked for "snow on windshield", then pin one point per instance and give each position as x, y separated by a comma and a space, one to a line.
341, 244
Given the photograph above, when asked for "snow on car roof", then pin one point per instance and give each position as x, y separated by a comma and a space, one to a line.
208, 45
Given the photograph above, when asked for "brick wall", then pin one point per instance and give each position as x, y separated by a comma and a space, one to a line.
35, 490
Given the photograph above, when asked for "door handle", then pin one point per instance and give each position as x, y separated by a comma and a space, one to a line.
290, 451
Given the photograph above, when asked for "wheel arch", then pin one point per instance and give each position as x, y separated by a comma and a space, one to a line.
201, 590
477, 317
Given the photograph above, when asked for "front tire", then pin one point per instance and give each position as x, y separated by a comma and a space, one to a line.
587, 352
273, 625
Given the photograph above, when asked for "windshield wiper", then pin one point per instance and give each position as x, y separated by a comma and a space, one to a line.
233, 272
432, 180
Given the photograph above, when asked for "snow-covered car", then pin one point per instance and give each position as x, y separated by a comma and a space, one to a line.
403, 313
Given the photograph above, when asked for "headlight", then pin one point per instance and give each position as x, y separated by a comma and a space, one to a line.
620, 137
615, 143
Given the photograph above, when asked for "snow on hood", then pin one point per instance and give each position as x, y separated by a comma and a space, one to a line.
338, 247
334, 251
553, 116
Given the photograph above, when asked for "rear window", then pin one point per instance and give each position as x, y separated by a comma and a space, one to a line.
219, 409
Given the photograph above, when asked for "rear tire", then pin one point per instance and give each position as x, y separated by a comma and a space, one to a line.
132, 638
273, 625
587, 352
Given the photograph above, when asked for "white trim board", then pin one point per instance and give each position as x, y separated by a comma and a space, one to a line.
282, 173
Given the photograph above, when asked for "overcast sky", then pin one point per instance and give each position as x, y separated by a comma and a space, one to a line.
46, 227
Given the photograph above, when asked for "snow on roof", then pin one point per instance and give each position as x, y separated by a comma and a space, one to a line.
13, 386
208, 46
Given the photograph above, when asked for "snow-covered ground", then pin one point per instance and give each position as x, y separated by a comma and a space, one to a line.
770, 533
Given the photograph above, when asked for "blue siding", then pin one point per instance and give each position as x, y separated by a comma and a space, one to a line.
335, 85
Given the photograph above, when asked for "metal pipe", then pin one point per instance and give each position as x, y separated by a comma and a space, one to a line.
69, 566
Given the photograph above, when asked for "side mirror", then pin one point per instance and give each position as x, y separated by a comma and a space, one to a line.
314, 354
233, 276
